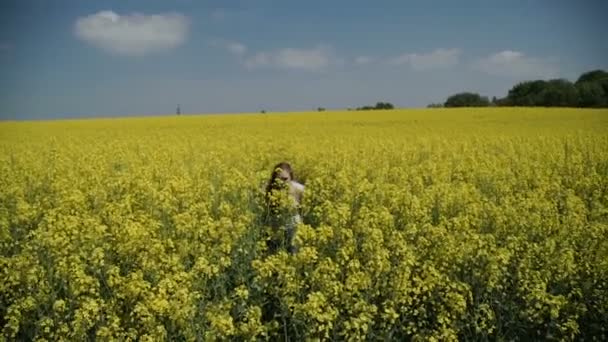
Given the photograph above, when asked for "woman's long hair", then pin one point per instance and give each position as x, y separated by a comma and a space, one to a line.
275, 183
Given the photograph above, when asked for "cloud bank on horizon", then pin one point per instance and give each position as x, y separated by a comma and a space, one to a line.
136, 35
437, 59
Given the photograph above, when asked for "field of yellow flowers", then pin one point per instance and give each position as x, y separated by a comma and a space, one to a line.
476, 224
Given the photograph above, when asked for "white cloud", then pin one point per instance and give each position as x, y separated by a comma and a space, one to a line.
362, 60
516, 64
437, 59
235, 48
132, 35
314, 59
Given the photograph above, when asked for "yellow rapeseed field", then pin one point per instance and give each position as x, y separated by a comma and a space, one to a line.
435, 224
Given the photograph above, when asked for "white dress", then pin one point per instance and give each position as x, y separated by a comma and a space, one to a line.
296, 190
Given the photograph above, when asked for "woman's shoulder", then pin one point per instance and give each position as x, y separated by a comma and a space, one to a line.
297, 186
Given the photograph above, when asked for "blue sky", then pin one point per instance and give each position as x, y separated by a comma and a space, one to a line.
143, 57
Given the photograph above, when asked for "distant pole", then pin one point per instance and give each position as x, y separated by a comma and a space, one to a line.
178, 111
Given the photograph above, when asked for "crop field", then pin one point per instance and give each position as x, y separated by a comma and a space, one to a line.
442, 224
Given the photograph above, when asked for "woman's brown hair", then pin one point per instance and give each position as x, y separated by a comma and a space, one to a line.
273, 184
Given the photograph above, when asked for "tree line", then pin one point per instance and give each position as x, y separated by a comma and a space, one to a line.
590, 90
378, 105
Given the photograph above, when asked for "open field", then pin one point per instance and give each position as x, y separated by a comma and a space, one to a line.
425, 224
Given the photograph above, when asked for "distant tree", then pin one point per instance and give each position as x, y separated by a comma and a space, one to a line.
552, 93
559, 93
435, 105
178, 111
320, 109
501, 102
384, 105
592, 94
592, 89
263, 111
592, 76
526, 93
467, 99
379, 105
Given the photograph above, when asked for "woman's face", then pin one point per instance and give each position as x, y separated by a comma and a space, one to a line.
284, 176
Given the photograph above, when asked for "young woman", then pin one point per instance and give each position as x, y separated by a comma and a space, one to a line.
283, 198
